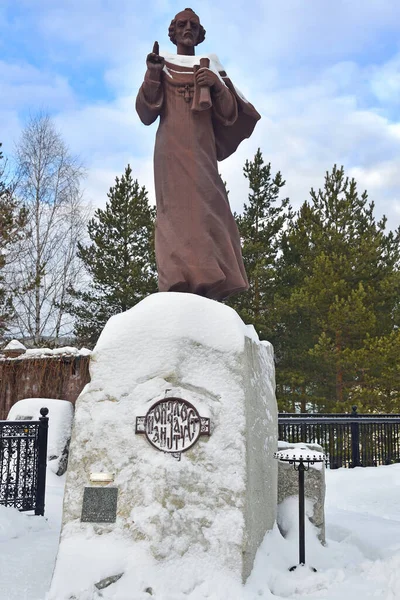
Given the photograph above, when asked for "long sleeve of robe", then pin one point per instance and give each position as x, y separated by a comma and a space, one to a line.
197, 242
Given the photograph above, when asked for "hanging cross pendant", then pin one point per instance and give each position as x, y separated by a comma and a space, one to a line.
187, 92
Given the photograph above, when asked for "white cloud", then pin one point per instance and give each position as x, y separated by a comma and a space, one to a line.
298, 62
307, 129
25, 89
385, 81
383, 182
98, 29
23, 86
100, 179
10, 127
320, 29
107, 137
265, 32
303, 132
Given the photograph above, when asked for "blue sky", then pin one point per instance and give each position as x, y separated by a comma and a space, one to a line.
324, 74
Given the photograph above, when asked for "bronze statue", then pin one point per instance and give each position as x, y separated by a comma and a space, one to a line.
203, 119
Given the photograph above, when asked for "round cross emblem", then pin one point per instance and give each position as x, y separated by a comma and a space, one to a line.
173, 425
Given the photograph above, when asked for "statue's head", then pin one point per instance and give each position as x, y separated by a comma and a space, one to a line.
186, 29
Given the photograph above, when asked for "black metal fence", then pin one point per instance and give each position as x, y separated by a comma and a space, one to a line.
349, 440
23, 459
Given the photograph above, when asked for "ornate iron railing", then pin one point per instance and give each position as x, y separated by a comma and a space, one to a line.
23, 458
348, 440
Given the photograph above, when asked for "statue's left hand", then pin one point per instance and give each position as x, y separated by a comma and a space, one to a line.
205, 77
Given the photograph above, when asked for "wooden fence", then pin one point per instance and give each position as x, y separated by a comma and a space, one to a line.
60, 376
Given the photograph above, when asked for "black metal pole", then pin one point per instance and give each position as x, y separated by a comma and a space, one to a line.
42, 461
355, 439
303, 465
302, 544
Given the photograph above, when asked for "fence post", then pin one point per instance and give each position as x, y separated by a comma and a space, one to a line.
355, 440
42, 461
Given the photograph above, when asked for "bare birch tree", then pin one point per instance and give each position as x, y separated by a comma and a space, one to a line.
49, 180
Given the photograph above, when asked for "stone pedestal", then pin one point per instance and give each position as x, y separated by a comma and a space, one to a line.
179, 520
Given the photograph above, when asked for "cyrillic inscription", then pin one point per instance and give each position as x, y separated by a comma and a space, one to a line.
173, 425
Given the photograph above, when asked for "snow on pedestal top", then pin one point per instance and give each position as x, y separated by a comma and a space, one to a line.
176, 315
15, 345
126, 352
296, 450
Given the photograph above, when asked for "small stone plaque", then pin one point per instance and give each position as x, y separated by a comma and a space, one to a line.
99, 505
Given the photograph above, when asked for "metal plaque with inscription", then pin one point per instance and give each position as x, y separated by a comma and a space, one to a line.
173, 425
99, 505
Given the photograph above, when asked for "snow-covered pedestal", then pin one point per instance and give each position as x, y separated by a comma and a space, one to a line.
14, 349
183, 527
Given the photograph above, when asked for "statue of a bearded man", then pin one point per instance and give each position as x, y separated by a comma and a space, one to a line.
203, 119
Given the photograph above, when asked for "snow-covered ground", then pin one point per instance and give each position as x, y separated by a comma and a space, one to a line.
28, 546
361, 560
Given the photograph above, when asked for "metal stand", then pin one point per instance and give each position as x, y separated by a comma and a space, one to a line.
301, 464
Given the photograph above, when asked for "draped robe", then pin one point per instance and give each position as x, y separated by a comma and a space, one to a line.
197, 242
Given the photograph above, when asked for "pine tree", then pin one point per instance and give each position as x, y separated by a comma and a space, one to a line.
378, 365
340, 287
260, 227
12, 224
120, 258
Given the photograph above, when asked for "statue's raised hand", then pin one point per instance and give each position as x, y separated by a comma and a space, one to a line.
155, 62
